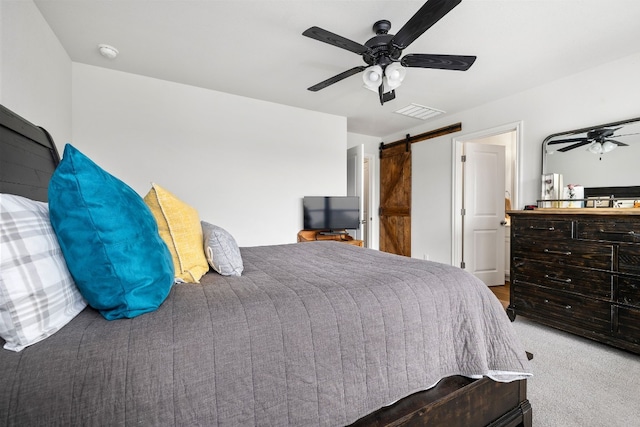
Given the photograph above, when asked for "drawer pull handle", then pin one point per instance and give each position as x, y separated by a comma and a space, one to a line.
568, 307
557, 252
630, 233
557, 279
531, 227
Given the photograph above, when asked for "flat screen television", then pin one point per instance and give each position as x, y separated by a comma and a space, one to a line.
333, 213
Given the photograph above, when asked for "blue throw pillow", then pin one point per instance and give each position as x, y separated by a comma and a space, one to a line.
109, 239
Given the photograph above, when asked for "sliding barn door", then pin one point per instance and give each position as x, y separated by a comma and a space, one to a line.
395, 199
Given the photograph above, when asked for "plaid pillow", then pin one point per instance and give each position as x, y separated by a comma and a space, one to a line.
37, 293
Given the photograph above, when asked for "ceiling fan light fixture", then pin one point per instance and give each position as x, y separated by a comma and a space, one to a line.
596, 148
394, 75
372, 77
608, 146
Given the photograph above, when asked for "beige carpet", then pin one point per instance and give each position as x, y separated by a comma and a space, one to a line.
579, 382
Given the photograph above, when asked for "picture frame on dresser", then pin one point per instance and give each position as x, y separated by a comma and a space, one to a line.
598, 202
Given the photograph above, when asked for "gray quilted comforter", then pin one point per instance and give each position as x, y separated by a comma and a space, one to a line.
317, 333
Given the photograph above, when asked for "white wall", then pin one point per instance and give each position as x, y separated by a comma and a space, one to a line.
606, 93
243, 164
35, 71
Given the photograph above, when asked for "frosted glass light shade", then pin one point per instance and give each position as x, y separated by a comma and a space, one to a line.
608, 146
596, 148
372, 77
394, 74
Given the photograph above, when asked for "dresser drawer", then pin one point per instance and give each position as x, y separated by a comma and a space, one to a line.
614, 230
566, 278
562, 308
569, 253
629, 290
629, 259
541, 228
628, 327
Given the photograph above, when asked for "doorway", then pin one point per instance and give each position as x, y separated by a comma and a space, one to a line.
509, 136
359, 183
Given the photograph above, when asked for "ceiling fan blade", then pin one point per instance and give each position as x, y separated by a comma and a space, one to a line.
336, 79
563, 141
618, 143
626, 134
335, 40
441, 62
430, 13
571, 147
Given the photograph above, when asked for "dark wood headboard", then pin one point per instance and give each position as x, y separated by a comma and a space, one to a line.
28, 157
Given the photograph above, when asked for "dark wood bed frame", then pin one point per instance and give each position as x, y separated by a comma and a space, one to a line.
28, 157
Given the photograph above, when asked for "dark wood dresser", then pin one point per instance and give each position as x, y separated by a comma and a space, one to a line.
578, 270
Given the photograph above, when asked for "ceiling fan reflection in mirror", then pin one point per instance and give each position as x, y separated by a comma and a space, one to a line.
385, 70
599, 140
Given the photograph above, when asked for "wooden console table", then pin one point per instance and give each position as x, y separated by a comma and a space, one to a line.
312, 235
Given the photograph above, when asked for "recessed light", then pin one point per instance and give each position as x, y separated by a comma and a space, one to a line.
108, 51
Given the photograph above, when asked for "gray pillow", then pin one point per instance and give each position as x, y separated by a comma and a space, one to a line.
221, 250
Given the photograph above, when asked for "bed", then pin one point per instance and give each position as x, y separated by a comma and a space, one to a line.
315, 333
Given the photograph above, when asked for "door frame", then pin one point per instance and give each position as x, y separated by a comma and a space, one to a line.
457, 179
368, 188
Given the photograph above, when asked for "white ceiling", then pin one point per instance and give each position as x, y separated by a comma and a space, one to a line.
255, 48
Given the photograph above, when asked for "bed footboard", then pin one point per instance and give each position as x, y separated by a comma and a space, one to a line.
459, 402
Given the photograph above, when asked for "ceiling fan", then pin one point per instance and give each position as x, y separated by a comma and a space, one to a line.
599, 139
382, 52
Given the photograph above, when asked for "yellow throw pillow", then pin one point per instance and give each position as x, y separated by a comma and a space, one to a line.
179, 226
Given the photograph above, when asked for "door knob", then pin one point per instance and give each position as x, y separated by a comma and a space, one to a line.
503, 222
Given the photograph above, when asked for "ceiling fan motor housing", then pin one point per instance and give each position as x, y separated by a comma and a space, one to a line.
381, 52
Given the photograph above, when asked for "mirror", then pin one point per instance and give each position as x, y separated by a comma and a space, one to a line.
600, 156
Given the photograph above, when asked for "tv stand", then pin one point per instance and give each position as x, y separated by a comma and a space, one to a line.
339, 236
333, 233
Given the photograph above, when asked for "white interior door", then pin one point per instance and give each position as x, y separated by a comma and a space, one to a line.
355, 182
483, 221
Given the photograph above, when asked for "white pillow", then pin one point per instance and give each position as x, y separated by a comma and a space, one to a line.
221, 250
37, 293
